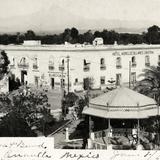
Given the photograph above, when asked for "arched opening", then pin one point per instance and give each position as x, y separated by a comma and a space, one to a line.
102, 64
133, 60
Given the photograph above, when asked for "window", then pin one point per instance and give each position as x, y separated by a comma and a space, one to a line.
118, 79
147, 61
23, 60
133, 60
61, 65
51, 63
76, 80
86, 65
133, 78
102, 64
35, 63
118, 62
102, 61
102, 80
63, 62
23, 63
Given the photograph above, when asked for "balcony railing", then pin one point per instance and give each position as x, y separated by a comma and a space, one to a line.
51, 67
86, 68
103, 67
61, 67
35, 66
118, 66
23, 65
147, 64
134, 64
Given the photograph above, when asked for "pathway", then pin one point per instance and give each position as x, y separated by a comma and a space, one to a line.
59, 137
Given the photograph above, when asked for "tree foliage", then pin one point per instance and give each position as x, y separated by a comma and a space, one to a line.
68, 101
31, 107
13, 125
4, 62
153, 35
30, 35
73, 36
150, 84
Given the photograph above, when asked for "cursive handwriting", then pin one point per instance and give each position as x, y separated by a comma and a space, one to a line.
41, 154
118, 155
152, 155
21, 144
80, 156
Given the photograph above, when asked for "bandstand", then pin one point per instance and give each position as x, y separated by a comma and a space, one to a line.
120, 111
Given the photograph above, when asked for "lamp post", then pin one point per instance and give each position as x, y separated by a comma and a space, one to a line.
68, 59
129, 74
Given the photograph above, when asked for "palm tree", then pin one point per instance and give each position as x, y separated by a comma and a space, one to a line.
150, 84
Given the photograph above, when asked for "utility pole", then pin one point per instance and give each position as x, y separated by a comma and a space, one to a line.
62, 87
68, 71
129, 74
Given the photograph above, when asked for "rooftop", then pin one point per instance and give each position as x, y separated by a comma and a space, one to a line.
122, 103
77, 47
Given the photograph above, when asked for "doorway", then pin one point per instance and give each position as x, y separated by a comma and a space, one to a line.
52, 83
118, 79
86, 84
23, 77
36, 80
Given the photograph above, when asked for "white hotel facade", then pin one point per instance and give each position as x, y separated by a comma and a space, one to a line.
44, 65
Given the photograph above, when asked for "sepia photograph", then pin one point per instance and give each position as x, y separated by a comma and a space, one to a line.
84, 72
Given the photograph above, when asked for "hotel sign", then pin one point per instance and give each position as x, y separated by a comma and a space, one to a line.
57, 74
130, 53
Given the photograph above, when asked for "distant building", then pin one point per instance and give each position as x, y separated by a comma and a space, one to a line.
31, 42
98, 41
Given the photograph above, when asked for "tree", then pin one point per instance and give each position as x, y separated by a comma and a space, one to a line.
4, 39
153, 35
97, 34
66, 35
150, 84
109, 37
30, 35
19, 38
13, 125
32, 106
74, 35
88, 37
81, 103
4, 62
69, 101
29, 106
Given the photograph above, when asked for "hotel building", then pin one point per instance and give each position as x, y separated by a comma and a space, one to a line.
45, 65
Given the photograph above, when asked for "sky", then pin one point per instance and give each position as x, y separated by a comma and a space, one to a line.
131, 10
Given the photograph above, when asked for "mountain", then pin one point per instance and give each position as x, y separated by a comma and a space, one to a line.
56, 19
